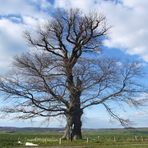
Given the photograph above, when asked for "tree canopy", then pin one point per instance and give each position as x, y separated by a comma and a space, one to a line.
66, 73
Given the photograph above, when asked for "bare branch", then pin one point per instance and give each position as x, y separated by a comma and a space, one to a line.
61, 77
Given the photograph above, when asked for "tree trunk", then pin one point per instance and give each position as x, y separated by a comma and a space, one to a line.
73, 126
76, 131
74, 111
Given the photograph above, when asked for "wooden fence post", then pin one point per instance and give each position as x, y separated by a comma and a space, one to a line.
114, 139
98, 138
60, 141
136, 138
87, 139
141, 138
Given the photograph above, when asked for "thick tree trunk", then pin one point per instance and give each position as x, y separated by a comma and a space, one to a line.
73, 126
76, 131
74, 112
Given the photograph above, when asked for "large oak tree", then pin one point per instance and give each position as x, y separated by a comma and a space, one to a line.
65, 74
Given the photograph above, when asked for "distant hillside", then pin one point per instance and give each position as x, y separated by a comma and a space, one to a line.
29, 129
37, 129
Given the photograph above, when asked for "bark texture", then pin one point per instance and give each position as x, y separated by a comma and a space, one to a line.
73, 126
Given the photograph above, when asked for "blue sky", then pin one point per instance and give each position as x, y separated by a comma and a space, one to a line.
127, 40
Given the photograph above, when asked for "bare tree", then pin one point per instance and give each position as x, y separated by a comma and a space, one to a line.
66, 74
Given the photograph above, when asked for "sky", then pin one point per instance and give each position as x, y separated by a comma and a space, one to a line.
127, 40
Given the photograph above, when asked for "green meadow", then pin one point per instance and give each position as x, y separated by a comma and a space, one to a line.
111, 138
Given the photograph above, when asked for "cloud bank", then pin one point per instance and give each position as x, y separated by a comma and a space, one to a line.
129, 30
15, 17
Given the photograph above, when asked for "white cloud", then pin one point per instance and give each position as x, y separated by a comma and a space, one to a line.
10, 41
45, 4
128, 20
34, 23
123, 35
34, 8
84, 5
129, 31
16, 7
17, 16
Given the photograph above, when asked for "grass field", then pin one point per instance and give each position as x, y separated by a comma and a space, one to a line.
119, 138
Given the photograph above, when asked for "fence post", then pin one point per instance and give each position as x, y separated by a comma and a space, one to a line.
141, 138
136, 138
98, 138
35, 138
87, 139
114, 139
60, 141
